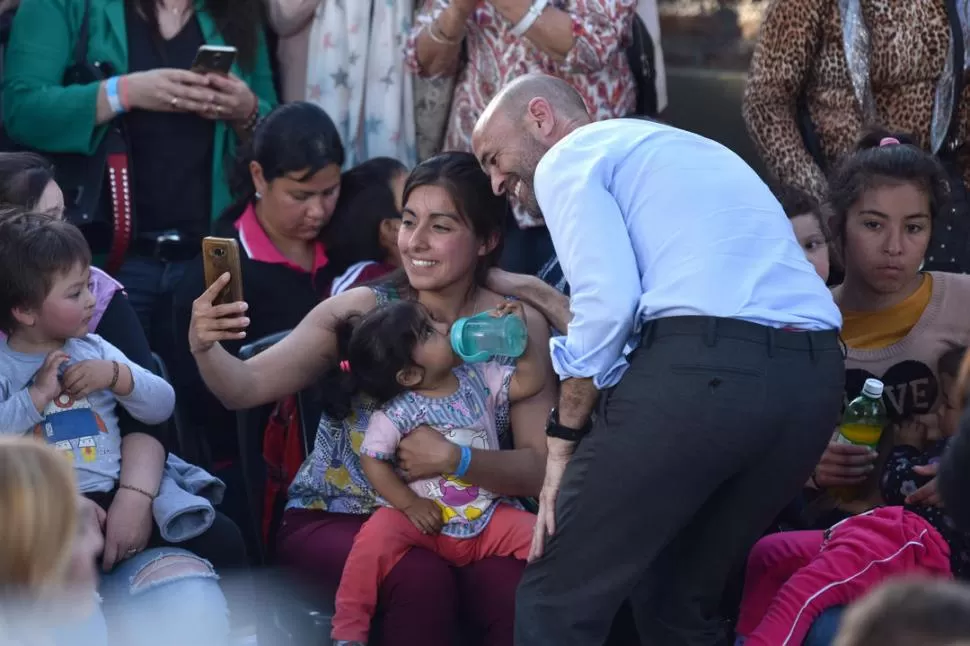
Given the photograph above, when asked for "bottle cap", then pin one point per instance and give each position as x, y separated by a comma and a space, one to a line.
872, 388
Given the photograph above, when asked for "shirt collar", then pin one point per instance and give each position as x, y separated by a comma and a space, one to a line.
257, 245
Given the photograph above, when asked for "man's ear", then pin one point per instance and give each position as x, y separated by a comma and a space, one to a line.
24, 316
410, 377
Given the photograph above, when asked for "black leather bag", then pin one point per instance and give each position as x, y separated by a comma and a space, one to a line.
96, 187
643, 64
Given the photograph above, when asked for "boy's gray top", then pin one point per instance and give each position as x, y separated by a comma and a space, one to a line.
87, 428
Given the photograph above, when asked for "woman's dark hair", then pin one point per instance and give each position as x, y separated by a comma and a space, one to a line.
238, 21
461, 175
23, 178
366, 200
294, 137
373, 348
874, 164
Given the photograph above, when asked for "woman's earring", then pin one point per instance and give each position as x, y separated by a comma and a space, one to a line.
259, 195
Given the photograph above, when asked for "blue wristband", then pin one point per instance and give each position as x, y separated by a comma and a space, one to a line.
464, 462
111, 91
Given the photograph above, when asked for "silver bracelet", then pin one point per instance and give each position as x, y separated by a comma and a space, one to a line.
438, 36
530, 17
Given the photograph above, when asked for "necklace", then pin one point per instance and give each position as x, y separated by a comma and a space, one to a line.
175, 11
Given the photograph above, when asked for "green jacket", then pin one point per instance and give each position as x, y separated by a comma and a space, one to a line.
41, 113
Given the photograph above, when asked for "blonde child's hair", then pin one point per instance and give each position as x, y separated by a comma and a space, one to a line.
38, 516
927, 612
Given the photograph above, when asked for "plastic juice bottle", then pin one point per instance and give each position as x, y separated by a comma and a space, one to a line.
862, 424
483, 336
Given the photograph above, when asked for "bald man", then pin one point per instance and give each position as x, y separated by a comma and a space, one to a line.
713, 342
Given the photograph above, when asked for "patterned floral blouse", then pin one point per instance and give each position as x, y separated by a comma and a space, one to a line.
899, 480
596, 65
331, 477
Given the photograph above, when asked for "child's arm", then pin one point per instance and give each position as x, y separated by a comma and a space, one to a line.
531, 368
21, 410
129, 521
424, 513
380, 444
146, 396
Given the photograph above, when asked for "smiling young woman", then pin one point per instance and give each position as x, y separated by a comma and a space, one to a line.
449, 238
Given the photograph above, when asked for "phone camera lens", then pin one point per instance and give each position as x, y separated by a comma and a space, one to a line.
218, 252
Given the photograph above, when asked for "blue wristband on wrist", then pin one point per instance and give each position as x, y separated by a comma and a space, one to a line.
464, 462
111, 91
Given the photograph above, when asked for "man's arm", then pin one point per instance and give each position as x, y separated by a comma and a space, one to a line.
576, 401
587, 227
535, 292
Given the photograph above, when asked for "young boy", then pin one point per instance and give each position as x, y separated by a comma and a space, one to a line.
57, 380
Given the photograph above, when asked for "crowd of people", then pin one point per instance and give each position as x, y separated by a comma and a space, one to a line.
660, 463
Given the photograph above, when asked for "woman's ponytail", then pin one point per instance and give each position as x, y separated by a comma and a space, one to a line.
339, 384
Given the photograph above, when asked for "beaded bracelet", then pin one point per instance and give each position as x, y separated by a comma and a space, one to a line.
114, 375
138, 490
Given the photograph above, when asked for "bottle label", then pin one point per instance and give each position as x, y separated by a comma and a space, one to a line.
862, 434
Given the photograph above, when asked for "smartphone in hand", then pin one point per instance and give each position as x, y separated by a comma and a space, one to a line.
221, 255
214, 59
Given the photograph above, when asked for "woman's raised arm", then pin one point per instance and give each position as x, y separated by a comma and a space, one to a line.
284, 369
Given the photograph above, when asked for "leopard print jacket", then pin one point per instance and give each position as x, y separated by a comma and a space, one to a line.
800, 50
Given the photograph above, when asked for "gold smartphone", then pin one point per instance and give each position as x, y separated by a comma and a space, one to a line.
216, 59
221, 255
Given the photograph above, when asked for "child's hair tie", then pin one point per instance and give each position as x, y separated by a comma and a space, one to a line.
888, 141
344, 366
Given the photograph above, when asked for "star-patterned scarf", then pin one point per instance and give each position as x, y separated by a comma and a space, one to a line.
356, 72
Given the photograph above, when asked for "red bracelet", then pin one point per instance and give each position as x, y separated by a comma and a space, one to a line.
123, 87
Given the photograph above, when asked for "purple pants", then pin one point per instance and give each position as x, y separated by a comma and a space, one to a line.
424, 601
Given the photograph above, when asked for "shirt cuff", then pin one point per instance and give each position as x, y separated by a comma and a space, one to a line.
568, 368
28, 412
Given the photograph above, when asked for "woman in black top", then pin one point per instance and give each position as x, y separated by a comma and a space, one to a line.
182, 126
287, 182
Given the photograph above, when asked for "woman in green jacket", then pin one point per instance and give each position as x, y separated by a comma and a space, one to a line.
182, 126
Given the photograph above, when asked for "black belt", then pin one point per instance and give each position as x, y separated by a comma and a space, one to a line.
165, 247
713, 328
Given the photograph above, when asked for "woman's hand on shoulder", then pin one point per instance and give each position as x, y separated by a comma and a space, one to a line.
168, 90
211, 324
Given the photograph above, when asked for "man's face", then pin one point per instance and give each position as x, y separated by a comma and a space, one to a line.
509, 154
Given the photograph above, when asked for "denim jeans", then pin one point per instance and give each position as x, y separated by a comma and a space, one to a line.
151, 600
160, 597
150, 285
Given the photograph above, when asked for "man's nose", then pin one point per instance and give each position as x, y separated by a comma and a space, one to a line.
498, 182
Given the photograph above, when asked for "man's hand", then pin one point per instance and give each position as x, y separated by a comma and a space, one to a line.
426, 515
928, 494
560, 452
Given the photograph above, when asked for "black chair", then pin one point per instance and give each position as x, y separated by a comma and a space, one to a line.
250, 424
183, 443
303, 618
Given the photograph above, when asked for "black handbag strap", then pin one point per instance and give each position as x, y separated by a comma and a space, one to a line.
81, 46
958, 51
